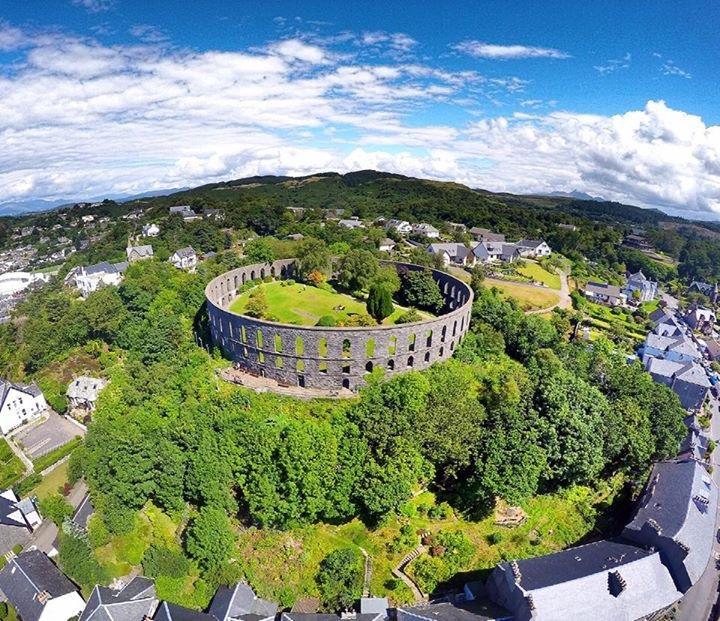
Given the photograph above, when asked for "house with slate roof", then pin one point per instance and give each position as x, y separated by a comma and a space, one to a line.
19, 403
171, 612
533, 248
707, 289
678, 348
184, 259
38, 590
676, 516
136, 601
314, 616
700, 319
18, 518
91, 278
688, 380
185, 212
453, 253
83, 392
605, 294
240, 603
426, 230
139, 253
666, 323
605, 580
450, 611
647, 289
83, 513
486, 235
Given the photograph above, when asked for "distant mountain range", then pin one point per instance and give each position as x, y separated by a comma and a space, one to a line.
15, 208
577, 194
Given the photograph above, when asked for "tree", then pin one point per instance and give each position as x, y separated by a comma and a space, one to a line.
209, 538
259, 251
421, 291
340, 579
357, 270
56, 508
379, 303
312, 255
257, 305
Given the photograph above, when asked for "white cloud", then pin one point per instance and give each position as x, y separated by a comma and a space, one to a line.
80, 119
614, 64
10, 38
95, 6
670, 68
480, 49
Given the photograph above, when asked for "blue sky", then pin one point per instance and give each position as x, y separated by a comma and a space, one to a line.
619, 99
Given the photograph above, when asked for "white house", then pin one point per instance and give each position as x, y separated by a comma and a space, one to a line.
184, 258
351, 223
151, 230
400, 226
386, 245
83, 392
139, 253
22, 514
428, 230
19, 403
91, 278
482, 235
453, 254
533, 248
88, 219
38, 590
185, 212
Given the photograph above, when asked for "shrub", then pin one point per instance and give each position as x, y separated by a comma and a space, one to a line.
316, 278
98, 533
209, 538
340, 578
3, 610
257, 305
56, 508
29, 483
79, 563
410, 316
359, 320
162, 561
56, 455
327, 321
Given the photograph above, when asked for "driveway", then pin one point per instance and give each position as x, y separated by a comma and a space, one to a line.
565, 300
39, 439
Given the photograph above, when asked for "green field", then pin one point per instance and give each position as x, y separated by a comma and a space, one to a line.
540, 274
528, 297
303, 305
11, 468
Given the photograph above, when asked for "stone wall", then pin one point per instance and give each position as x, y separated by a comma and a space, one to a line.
331, 358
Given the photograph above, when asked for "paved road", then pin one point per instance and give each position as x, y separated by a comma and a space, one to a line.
45, 535
699, 600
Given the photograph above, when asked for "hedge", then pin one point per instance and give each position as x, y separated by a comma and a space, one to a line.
54, 456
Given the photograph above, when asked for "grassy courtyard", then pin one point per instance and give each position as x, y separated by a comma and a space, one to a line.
303, 305
539, 274
529, 297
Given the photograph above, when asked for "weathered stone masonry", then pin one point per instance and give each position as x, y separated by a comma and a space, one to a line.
332, 358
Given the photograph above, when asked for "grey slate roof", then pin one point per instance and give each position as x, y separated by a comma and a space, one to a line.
7, 509
105, 268
144, 250
28, 575
453, 250
313, 616
446, 611
85, 387
374, 605
83, 512
185, 253
238, 602
171, 612
598, 288
132, 603
5, 386
529, 243
676, 511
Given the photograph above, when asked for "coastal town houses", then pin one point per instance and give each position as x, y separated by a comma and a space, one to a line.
38, 590
710, 291
135, 601
83, 392
139, 253
18, 519
640, 289
700, 319
401, 227
425, 230
351, 223
533, 248
19, 404
185, 212
172, 612
486, 235
150, 230
605, 294
184, 259
453, 254
239, 603
87, 279
688, 380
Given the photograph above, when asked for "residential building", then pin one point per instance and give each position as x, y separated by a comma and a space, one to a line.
139, 253
486, 235
214, 214
533, 248
451, 611
457, 226
401, 227
646, 289
676, 516
426, 230
679, 348
83, 392
91, 278
607, 580
707, 289
135, 601
171, 612
241, 604
18, 519
453, 254
374, 606
604, 293
488, 251
637, 241
700, 319
19, 403
87, 219
666, 323
184, 259
83, 513
37, 590
185, 212
151, 230
386, 245
351, 223
687, 379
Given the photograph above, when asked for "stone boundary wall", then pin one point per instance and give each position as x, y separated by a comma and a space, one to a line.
332, 358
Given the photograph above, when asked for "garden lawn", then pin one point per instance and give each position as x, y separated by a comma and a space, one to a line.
282, 565
52, 483
11, 468
303, 305
528, 297
539, 274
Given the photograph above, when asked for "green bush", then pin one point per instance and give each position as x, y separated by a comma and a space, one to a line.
3, 610
98, 533
340, 579
327, 321
78, 562
56, 508
55, 456
24, 487
162, 561
410, 316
